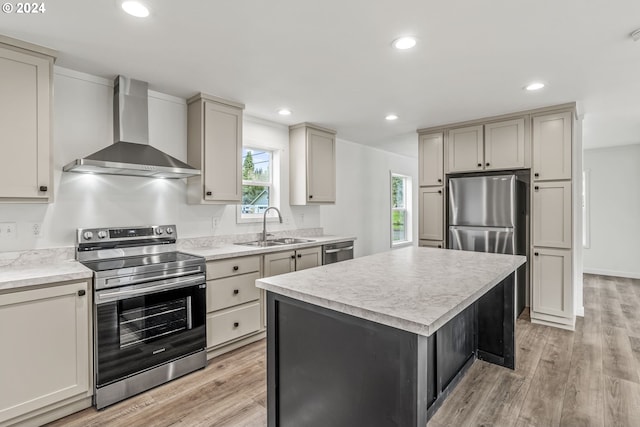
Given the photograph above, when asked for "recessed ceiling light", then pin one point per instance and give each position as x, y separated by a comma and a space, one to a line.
534, 86
135, 8
391, 117
284, 112
403, 43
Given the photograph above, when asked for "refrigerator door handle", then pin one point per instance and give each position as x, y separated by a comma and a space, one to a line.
469, 228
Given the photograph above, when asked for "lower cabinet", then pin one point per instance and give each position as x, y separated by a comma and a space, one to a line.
234, 304
288, 261
431, 209
552, 290
45, 358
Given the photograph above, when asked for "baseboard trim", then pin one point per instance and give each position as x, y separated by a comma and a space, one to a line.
614, 273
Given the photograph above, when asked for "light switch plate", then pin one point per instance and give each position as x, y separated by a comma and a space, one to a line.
8, 230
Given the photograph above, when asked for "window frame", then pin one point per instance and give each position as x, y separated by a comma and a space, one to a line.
273, 184
408, 192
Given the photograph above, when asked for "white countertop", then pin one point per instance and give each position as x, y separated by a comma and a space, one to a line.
414, 289
223, 251
20, 276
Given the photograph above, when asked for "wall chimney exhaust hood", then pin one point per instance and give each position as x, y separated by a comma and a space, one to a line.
131, 153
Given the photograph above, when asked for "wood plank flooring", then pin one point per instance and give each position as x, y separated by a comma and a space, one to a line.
590, 377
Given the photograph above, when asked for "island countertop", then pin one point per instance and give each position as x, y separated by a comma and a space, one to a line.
413, 289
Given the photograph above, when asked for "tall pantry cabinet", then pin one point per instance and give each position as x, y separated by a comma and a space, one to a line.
541, 140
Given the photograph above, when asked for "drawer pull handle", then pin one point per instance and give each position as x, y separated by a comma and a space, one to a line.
488, 164
479, 165
536, 174
81, 293
236, 324
43, 188
536, 188
536, 253
236, 291
235, 268
293, 257
209, 193
299, 255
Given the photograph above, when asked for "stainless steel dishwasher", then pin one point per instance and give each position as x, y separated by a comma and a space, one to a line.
337, 252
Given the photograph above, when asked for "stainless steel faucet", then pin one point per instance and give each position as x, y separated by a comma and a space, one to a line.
264, 221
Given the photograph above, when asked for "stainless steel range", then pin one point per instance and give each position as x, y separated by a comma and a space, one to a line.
149, 309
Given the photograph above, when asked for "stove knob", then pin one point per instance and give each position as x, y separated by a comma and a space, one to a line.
169, 230
102, 234
88, 235
159, 231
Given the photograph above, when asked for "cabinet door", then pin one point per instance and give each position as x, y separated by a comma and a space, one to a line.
431, 244
45, 347
24, 125
552, 214
552, 288
552, 147
465, 150
504, 145
279, 263
308, 258
321, 167
430, 152
222, 153
431, 206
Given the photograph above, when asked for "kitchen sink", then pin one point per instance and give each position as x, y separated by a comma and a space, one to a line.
275, 242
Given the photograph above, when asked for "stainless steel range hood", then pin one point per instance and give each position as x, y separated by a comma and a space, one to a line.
131, 153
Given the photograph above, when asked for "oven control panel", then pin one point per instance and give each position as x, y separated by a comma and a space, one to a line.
124, 234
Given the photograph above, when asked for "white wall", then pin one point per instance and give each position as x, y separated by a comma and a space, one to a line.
82, 124
614, 211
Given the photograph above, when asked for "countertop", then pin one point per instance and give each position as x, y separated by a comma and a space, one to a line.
416, 289
20, 276
212, 253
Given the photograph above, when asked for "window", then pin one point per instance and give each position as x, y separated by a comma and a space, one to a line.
400, 209
257, 182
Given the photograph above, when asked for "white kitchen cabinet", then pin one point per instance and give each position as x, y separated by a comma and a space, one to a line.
552, 291
465, 149
214, 145
431, 244
552, 214
312, 161
431, 154
289, 261
431, 206
505, 145
234, 304
45, 358
552, 146
25, 122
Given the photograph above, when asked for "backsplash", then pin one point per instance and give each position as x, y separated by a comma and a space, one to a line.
36, 257
229, 239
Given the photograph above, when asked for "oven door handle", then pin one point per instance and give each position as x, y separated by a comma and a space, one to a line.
333, 251
134, 291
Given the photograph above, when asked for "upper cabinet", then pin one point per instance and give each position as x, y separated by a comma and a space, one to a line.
312, 159
214, 146
25, 121
430, 151
552, 146
493, 146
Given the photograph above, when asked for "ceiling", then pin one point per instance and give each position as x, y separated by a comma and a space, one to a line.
331, 61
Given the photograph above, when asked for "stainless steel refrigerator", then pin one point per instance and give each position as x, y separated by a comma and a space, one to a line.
489, 214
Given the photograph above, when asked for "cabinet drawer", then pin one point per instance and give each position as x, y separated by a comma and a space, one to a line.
230, 291
232, 267
221, 327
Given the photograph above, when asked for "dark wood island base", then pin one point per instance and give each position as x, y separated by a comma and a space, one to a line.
326, 368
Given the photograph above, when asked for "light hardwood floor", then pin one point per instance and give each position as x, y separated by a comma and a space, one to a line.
590, 377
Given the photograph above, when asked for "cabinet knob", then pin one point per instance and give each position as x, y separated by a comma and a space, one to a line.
479, 165
236, 324
439, 180
536, 253
82, 293
439, 191
536, 174
236, 291
209, 193
310, 196
439, 246
235, 268
293, 257
536, 188
299, 255
43, 188
488, 164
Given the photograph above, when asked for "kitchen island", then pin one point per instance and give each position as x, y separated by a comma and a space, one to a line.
382, 340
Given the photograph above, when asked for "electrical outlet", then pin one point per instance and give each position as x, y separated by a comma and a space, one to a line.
215, 221
7, 230
37, 229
